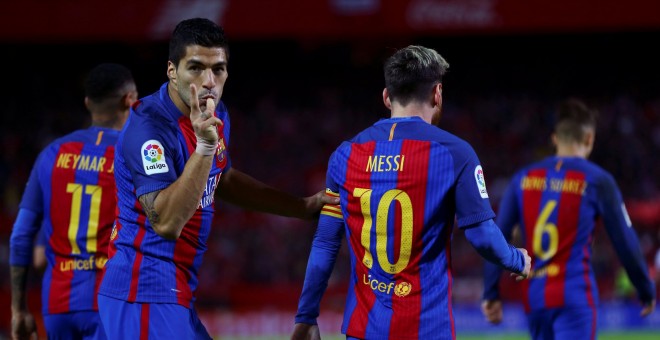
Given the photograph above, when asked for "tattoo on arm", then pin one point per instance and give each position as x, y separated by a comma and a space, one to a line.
148, 202
18, 281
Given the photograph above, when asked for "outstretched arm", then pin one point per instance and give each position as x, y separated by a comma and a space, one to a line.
241, 189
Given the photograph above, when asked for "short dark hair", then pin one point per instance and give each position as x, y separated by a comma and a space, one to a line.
573, 116
411, 72
196, 31
107, 80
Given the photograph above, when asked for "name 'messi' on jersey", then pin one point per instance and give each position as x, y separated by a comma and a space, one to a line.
381, 163
84, 162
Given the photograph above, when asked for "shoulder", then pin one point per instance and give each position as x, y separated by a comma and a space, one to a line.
600, 175
78, 136
342, 151
459, 149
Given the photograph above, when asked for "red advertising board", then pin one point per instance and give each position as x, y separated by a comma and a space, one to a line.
153, 20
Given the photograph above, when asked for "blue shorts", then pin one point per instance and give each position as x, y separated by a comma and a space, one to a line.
74, 325
126, 320
563, 323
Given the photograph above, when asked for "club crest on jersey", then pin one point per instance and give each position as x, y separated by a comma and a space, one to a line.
402, 289
220, 153
481, 181
153, 157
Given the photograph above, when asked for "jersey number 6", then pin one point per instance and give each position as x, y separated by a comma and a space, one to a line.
543, 227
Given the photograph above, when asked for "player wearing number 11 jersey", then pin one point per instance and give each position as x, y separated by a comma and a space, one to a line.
71, 196
556, 203
402, 183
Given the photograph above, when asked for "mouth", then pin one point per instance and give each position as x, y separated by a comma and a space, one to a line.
206, 96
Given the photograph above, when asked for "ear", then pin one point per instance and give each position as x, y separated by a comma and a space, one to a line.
437, 95
589, 138
171, 71
386, 99
87, 103
129, 98
553, 137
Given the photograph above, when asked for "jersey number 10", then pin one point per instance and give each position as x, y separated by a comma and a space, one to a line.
381, 218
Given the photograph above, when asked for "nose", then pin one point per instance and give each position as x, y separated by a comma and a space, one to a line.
208, 79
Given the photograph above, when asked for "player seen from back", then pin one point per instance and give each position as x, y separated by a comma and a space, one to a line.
556, 203
70, 195
402, 184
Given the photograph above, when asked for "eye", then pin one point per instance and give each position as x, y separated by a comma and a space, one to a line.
219, 70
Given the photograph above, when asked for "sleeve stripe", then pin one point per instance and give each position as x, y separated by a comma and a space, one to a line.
333, 208
331, 214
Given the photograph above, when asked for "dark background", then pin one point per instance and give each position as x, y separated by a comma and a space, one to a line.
294, 96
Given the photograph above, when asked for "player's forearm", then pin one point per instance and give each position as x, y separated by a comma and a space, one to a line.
18, 282
247, 192
629, 252
489, 242
173, 207
322, 257
492, 273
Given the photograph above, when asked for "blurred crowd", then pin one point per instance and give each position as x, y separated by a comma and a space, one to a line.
292, 103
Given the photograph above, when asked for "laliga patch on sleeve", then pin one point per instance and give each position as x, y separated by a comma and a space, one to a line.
481, 181
153, 157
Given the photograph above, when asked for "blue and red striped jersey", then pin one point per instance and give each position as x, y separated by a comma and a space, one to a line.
557, 203
151, 153
403, 184
71, 190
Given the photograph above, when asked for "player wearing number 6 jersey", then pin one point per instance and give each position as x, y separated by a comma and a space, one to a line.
71, 196
556, 202
402, 183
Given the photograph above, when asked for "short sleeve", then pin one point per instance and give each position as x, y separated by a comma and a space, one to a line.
472, 203
149, 152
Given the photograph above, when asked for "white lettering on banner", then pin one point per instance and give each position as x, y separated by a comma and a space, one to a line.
173, 11
451, 13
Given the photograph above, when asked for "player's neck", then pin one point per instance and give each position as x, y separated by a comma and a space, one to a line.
177, 100
573, 150
108, 121
413, 110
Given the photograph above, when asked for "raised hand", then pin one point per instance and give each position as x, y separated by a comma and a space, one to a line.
204, 123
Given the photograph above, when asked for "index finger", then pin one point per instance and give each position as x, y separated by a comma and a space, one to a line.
195, 111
